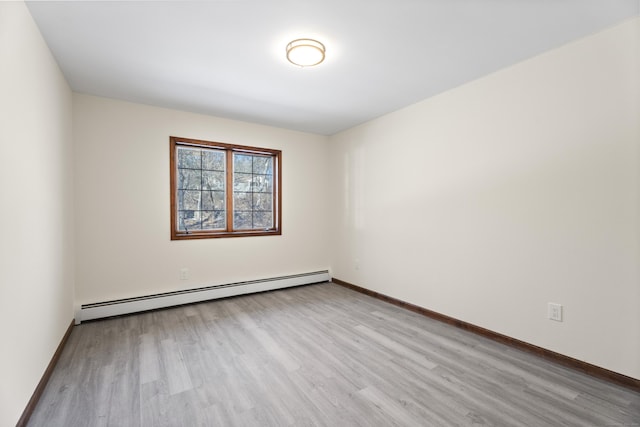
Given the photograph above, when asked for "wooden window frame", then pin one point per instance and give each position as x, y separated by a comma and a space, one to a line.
229, 149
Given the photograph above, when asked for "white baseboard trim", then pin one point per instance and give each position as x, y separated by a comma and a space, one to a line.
188, 296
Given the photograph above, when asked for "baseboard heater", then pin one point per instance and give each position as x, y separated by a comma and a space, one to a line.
169, 299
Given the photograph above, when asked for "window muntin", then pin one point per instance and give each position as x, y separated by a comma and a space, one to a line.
223, 190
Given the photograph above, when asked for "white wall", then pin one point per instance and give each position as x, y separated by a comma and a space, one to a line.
122, 203
488, 201
36, 262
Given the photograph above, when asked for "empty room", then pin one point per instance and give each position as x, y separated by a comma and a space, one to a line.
320, 213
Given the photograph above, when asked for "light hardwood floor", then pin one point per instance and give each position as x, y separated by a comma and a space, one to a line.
318, 355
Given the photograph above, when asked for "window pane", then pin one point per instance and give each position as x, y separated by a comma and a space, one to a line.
188, 220
189, 200
189, 157
242, 220
263, 165
213, 200
212, 180
262, 220
262, 183
242, 181
189, 179
253, 191
262, 202
242, 163
242, 201
212, 220
213, 160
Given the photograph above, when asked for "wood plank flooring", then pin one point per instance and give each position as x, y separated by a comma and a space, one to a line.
318, 355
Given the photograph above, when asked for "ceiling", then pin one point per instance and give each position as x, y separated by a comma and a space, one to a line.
227, 57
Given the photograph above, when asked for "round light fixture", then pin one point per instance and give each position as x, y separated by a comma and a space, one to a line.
305, 52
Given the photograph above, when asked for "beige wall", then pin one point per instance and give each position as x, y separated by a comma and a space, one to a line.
36, 262
488, 201
122, 203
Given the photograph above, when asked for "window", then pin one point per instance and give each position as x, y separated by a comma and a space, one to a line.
223, 190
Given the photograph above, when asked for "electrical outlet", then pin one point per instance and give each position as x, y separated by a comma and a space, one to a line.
184, 273
554, 312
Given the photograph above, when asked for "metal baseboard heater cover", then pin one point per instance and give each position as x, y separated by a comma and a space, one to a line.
169, 299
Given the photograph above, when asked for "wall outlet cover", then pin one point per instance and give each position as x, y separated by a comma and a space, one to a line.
554, 311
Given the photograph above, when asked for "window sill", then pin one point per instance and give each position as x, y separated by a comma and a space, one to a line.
222, 234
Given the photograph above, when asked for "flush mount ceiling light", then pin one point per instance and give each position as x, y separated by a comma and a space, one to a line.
305, 52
